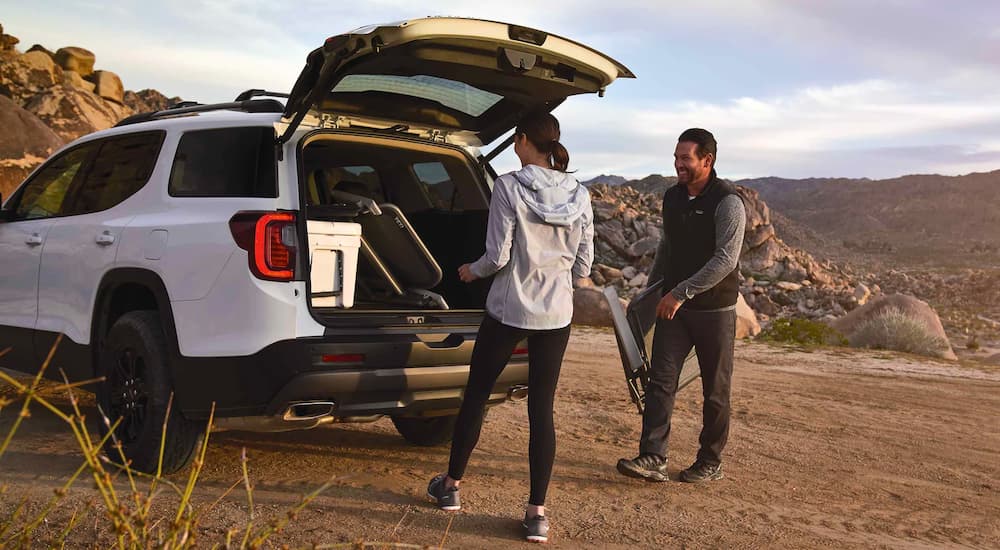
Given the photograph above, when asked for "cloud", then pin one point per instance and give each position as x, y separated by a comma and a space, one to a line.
790, 88
873, 128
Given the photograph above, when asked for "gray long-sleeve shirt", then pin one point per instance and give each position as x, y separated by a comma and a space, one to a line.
730, 225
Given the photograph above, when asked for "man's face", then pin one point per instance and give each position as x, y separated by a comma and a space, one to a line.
689, 167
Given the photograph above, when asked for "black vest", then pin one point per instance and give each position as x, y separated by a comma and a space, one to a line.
689, 227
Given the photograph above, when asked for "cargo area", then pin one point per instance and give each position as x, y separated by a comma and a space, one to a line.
389, 222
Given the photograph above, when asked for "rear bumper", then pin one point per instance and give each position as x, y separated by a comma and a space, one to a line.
388, 373
407, 391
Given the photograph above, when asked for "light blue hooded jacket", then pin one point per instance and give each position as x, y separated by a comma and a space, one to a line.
539, 239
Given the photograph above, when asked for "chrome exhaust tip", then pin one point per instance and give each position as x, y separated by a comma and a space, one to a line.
517, 393
309, 410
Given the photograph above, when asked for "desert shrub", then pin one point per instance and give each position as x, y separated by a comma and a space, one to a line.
893, 329
802, 332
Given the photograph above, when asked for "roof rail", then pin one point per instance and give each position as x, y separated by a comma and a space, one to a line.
256, 92
185, 108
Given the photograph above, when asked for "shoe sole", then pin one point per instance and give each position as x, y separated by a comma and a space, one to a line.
445, 508
715, 477
535, 538
654, 478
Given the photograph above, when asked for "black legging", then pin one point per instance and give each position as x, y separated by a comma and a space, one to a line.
494, 346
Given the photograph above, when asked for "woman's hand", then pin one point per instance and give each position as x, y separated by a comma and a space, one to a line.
465, 273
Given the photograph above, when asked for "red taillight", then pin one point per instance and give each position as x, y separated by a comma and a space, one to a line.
269, 237
279, 256
520, 351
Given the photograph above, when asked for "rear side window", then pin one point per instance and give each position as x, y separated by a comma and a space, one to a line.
121, 167
225, 162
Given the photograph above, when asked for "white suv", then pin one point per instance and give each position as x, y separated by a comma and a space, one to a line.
172, 252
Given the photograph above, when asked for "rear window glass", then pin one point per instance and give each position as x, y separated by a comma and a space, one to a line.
225, 162
442, 191
454, 95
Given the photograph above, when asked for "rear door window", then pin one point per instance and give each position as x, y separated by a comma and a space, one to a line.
121, 167
225, 162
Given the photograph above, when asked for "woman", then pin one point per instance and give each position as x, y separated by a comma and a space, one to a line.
540, 238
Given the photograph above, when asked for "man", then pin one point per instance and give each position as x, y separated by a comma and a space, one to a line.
697, 259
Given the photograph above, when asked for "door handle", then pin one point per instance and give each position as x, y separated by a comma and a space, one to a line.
34, 240
104, 239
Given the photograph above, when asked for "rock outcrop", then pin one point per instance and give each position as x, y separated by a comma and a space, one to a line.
48, 99
24, 143
72, 112
777, 280
146, 101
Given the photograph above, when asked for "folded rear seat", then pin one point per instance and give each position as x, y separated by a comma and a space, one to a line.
395, 249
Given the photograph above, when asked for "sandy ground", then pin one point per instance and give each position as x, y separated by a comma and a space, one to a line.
830, 448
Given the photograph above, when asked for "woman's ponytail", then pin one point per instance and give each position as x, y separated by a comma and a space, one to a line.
542, 130
560, 156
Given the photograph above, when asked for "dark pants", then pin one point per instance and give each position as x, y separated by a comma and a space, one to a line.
712, 335
494, 346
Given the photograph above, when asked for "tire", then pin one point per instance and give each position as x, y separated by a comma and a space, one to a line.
426, 431
136, 390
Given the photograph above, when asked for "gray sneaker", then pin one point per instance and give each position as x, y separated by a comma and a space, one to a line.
536, 528
446, 499
645, 466
701, 471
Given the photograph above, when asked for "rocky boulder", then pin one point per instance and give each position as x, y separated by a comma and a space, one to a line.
590, 307
25, 142
108, 85
74, 80
7, 42
897, 322
43, 49
75, 59
746, 319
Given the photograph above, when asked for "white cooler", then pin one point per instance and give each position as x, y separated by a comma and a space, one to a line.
333, 257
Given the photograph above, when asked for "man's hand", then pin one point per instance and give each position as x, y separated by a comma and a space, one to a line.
465, 273
668, 306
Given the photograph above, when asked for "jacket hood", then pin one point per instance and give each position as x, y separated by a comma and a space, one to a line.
556, 197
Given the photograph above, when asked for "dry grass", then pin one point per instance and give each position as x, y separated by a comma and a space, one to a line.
130, 520
893, 329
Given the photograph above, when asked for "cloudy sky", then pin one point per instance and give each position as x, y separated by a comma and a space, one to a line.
852, 88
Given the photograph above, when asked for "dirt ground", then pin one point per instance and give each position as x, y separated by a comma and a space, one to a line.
828, 448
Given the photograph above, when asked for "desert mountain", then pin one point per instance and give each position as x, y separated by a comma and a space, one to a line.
918, 218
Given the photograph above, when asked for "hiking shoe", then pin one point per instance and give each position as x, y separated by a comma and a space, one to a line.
701, 471
536, 528
645, 466
446, 499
